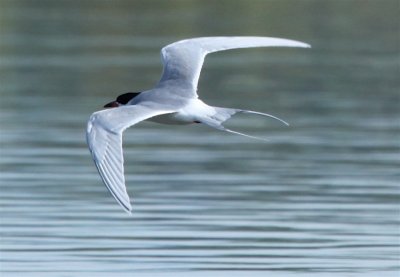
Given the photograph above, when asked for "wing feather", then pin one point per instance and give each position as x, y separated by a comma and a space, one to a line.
104, 137
183, 59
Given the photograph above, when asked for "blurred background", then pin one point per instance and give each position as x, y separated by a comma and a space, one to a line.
320, 198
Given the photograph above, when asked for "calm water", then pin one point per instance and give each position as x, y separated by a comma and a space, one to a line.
320, 199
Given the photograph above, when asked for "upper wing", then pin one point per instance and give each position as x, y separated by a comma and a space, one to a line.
104, 137
183, 59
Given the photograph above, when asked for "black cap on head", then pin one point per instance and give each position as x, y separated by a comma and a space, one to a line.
126, 97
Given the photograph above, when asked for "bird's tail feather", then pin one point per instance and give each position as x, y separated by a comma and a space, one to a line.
223, 114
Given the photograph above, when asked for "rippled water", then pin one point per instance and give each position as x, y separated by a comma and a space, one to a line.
320, 198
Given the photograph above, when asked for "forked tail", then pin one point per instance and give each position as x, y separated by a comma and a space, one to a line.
223, 114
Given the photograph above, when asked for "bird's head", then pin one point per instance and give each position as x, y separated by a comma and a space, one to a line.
121, 100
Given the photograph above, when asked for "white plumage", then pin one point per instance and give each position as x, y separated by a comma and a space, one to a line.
173, 100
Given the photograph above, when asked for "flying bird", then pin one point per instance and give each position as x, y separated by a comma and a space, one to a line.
173, 100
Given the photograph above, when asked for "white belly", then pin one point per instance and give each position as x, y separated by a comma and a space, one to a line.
194, 112
171, 119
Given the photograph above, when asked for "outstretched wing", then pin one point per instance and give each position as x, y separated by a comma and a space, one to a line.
104, 137
183, 59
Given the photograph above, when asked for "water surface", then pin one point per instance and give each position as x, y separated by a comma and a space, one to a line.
321, 198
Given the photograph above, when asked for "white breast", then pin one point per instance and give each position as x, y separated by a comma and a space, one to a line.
194, 111
171, 119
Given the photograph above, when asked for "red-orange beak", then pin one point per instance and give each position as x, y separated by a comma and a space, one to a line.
112, 104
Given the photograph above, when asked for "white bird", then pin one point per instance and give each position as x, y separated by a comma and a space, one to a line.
173, 100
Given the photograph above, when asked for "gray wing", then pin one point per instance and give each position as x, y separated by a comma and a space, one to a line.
104, 138
183, 59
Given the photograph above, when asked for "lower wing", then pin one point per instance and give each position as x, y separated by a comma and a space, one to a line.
104, 138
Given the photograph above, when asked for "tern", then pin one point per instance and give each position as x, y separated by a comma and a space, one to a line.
173, 100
